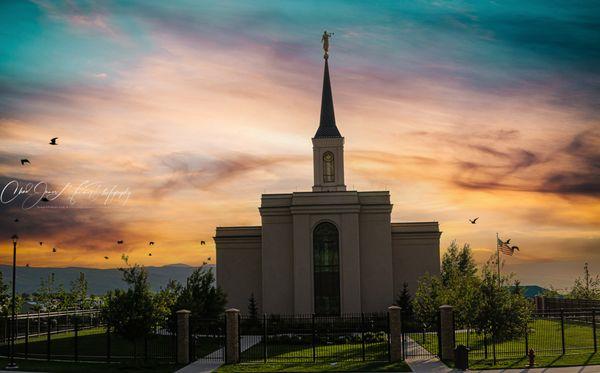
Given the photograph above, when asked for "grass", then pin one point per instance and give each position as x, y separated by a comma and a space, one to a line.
92, 345
345, 357
77, 367
545, 337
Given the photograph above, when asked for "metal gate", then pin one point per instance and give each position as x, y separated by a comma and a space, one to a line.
420, 338
207, 339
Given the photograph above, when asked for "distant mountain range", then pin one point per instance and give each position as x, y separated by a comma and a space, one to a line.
99, 280
530, 291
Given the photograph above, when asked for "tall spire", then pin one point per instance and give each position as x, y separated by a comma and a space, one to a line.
327, 127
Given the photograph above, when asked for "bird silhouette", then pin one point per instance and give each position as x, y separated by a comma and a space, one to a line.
16, 220
44, 199
41, 243
202, 243
151, 243
149, 254
27, 265
53, 141
105, 257
208, 258
54, 249
23, 161
473, 221
119, 242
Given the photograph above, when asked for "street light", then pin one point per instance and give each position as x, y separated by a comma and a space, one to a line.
12, 364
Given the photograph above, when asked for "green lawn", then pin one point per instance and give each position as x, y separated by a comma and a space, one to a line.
93, 345
541, 361
544, 337
346, 357
72, 367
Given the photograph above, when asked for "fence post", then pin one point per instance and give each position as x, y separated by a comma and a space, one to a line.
265, 337
27, 337
49, 330
446, 332
594, 330
562, 329
107, 342
183, 337
362, 334
314, 337
76, 332
232, 347
395, 333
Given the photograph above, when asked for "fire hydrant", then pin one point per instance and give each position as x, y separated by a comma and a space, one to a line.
531, 356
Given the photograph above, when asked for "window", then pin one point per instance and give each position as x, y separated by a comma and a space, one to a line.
328, 168
326, 269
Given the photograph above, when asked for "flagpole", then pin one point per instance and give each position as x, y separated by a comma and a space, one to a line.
498, 255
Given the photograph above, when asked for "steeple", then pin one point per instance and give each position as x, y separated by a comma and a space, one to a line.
327, 127
328, 143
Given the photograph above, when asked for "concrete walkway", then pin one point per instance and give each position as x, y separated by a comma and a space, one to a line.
212, 361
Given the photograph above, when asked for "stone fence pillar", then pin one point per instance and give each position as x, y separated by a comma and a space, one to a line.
446, 332
183, 337
540, 303
232, 348
394, 314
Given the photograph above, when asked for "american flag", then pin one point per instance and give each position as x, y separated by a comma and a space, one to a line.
505, 248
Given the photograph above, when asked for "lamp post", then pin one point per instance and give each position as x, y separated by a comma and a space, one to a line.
12, 364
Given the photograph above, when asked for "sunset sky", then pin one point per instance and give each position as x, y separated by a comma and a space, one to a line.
188, 111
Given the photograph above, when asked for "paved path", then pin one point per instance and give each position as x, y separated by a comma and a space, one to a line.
211, 362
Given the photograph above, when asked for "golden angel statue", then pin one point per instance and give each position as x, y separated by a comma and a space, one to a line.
325, 41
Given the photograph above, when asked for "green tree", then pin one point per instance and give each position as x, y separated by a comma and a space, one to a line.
201, 296
404, 301
77, 297
460, 283
50, 296
5, 298
586, 288
165, 301
132, 313
428, 299
500, 313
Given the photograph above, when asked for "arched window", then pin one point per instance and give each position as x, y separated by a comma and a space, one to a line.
326, 269
328, 168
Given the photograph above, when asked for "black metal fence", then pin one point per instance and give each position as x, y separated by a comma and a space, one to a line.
548, 334
312, 338
419, 338
207, 339
81, 335
557, 304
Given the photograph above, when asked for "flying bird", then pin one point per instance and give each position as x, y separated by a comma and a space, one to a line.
119, 242
202, 243
41, 243
149, 254
44, 199
151, 243
16, 220
473, 221
25, 160
208, 258
27, 265
54, 249
105, 257
53, 141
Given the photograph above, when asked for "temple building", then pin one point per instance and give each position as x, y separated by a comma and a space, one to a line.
325, 251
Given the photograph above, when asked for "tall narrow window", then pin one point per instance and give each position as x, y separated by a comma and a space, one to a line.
326, 269
328, 168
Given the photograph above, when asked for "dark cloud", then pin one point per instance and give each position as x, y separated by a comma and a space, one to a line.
578, 174
92, 229
208, 174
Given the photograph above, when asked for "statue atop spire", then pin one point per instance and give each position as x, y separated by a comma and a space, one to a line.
325, 41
